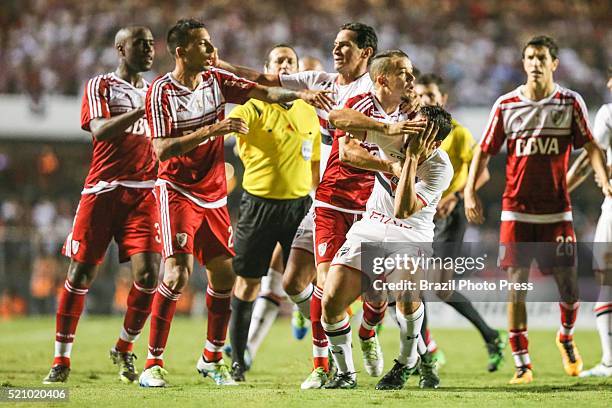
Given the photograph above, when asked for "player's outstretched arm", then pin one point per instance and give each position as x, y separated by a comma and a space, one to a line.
248, 73
166, 147
579, 171
596, 157
353, 154
473, 206
275, 94
406, 201
352, 121
106, 129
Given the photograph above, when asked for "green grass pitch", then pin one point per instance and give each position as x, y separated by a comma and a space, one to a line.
26, 348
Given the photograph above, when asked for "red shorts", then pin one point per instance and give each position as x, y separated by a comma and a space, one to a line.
188, 228
551, 245
331, 227
129, 215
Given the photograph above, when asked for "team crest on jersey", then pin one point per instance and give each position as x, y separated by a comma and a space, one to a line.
181, 239
74, 247
342, 251
557, 116
322, 248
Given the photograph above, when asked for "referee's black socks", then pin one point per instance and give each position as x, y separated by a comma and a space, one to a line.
239, 328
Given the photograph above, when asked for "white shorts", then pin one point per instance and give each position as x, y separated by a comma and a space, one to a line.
367, 230
602, 242
304, 236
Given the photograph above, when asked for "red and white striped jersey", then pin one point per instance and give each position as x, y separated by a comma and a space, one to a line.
174, 110
126, 160
539, 136
344, 187
317, 80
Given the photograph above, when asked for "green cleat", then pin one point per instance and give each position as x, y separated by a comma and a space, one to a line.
218, 371
125, 361
57, 374
372, 356
428, 371
317, 379
299, 325
397, 377
153, 377
439, 357
342, 381
496, 351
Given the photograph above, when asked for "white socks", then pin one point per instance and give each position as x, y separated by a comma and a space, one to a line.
410, 331
339, 337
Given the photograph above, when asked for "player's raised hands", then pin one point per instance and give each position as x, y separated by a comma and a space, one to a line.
473, 207
318, 99
423, 143
408, 127
229, 125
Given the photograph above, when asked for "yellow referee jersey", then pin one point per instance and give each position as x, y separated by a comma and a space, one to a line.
459, 144
278, 150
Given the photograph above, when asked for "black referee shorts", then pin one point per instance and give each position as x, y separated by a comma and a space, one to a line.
449, 232
262, 223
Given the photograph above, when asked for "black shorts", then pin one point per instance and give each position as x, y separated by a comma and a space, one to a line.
449, 232
262, 223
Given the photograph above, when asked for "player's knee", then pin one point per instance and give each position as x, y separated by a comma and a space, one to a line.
330, 306
246, 288
81, 275
290, 284
147, 278
176, 278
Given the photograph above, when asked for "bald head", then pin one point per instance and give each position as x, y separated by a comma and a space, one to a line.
125, 33
135, 47
309, 63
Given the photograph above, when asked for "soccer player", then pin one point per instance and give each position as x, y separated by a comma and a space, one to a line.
602, 130
277, 152
341, 195
450, 217
398, 210
117, 202
185, 110
540, 122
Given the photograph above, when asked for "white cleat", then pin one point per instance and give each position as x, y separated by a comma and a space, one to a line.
372, 356
153, 377
218, 371
316, 380
600, 370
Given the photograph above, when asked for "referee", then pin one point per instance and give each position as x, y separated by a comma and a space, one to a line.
279, 154
450, 219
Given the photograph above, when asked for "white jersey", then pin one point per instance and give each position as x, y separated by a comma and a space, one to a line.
318, 80
433, 177
602, 132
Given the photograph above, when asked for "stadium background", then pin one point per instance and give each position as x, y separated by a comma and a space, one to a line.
48, 49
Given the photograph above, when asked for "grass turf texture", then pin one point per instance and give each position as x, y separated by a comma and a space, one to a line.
282, 364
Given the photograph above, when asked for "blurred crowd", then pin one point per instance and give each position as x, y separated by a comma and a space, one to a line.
54, 46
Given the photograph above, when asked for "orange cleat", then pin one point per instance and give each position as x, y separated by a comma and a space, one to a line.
572, 362
522, 375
